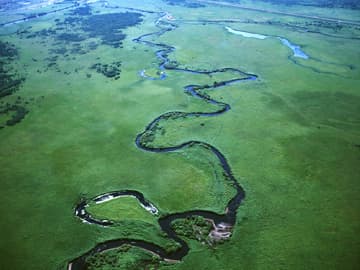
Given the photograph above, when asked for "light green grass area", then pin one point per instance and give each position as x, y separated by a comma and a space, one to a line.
291, 138
122, 208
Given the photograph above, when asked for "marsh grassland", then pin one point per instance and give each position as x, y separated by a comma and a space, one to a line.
72, 101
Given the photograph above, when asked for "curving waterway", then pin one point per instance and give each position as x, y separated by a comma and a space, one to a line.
225, 220
296, 49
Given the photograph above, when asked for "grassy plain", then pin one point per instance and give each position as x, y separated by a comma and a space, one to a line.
292, 139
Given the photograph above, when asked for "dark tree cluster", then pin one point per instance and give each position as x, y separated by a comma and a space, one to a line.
119, 259
7, 50
171, 65
108, 26
70, 37
70, 21
19, 114
82, 32
194, 227
10, 82
82, 11
109, 70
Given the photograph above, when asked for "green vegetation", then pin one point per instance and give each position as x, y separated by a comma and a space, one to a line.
125, 257
195, 227
291, 138
110, 71
108, 26
123, 208
10, 82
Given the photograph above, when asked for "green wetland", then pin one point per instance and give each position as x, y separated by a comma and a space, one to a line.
170, 134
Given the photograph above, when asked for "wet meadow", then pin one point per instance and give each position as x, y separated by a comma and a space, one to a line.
77, 87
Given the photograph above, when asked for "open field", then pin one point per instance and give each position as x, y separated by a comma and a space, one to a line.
291, 137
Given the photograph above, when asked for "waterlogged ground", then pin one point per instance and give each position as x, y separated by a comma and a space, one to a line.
72, 101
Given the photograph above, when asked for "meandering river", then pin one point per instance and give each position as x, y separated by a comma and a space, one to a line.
220, 220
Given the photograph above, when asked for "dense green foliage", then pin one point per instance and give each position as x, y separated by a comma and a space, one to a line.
10, 82
108, 26
125, 257
195, 227
291, 138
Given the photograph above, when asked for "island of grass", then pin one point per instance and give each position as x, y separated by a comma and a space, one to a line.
290, 136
